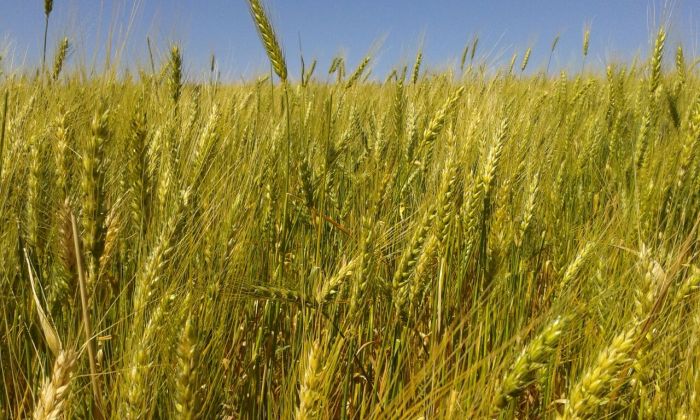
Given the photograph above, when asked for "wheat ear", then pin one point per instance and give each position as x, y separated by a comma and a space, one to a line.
54, 391
269, 38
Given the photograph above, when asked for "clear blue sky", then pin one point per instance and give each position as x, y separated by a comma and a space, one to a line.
391, 29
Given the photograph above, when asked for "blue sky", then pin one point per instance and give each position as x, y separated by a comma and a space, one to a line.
391, 29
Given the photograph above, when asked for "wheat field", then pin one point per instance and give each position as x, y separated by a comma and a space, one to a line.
469, 243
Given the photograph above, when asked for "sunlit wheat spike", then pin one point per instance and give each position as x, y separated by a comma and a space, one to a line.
355, 76
657, 61
269, 38
576, 265
529, 207
438, 121
281, 294
175, 68
643, 140
60, 58
149, 276
398, 109
680, 64
409, 258
512, 62
54, 391
416, 68
645, 293
586, 40
310, 399
491, 163
35, 198
526, 59
330, 287
137, 166
690, 285
590, 392
529, 364
187, 357
135, 393
205, 147
113, 227
93, 190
